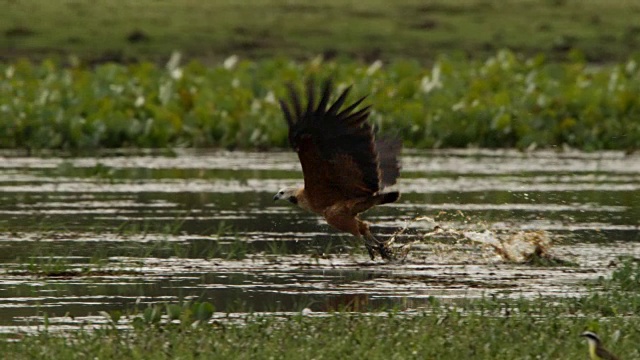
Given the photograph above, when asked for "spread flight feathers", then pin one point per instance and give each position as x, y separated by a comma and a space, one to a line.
345, 169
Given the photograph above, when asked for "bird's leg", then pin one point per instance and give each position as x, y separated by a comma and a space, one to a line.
382, 247
374, 245
370, 249
371, 244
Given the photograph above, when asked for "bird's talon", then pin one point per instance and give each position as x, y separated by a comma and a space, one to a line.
372, 253
385, 252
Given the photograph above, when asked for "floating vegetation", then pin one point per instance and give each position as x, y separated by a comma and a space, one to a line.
524, 247
73, 273
503, 101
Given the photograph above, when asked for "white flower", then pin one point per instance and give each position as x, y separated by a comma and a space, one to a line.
458, 106
174, 61
429, 84
9, 72
375, 66
230, 62
270, 98
631, 67
173, 65
176, 74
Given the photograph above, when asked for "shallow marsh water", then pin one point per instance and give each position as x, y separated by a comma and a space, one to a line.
82, 235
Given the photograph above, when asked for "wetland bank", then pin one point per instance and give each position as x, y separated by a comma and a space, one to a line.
86, 236
167, 254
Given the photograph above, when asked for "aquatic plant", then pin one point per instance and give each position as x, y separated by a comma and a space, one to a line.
504, 101
627, 276
443, 332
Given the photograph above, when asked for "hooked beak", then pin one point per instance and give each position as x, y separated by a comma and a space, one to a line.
276, 197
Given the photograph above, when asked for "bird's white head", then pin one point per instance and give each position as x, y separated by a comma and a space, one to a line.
592, 337
288, 193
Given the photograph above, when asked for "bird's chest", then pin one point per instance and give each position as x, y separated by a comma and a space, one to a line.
304, 204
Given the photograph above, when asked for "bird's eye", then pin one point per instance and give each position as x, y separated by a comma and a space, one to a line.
281, 192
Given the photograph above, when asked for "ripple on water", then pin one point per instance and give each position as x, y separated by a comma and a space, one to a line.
140, 230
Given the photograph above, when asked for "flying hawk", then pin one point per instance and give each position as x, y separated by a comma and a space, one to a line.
345, 169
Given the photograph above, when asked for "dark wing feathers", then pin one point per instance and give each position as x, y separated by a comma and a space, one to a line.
326, 93
351, 107
311, 98
295, 100
336, 147
333, 110
388, 152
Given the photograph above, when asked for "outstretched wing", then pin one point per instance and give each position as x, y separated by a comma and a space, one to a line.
336, 146
388, 150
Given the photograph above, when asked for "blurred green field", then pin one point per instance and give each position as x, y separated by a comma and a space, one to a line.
122, 30
506, 101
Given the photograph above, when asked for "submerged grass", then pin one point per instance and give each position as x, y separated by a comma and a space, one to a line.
503, 101
40, 264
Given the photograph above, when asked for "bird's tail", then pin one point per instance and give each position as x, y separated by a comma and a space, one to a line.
386, 198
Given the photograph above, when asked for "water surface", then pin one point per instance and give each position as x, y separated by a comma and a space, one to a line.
88, 234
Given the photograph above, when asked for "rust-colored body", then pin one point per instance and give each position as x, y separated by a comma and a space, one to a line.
344, 167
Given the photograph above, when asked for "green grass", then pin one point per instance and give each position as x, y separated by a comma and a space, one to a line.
490, 328
150, 29
503, 101
442, 335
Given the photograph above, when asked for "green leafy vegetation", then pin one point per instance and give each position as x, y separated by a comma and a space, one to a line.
627, 276
444, 334
503, 101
